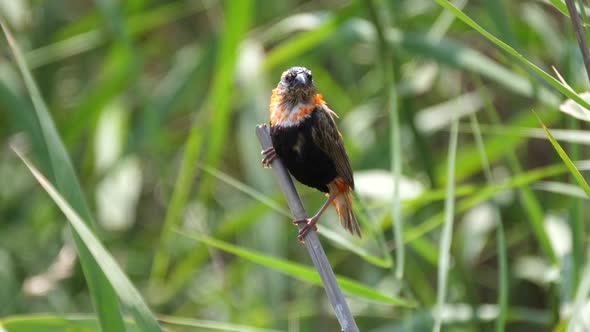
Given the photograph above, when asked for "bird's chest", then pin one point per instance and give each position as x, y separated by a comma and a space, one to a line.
293, 143
301, 155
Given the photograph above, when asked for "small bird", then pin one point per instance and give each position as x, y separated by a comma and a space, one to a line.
305, 137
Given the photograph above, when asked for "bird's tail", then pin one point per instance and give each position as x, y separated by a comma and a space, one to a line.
343, 205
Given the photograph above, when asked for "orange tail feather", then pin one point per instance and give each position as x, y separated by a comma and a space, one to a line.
343, 205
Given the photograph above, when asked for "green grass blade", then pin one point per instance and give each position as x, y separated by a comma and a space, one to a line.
574, 136
218, 106
364, 215
391, 102
179, 197
87, 323
483, 195
559, 5
579, 314
578, 233
246, 189
308, 40
129, 295
299, 271
561, 188
447, 232
85, 41
456, 54
532, 206
210, 325
63, 175
52, 323
115, 78
174, 91
345, 243
238, 17
507, 48
500, 238
499, 16
566, 160
503, 278
481, 148
325, 232
24, 119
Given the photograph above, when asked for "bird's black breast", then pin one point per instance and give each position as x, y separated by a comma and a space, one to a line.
302, 157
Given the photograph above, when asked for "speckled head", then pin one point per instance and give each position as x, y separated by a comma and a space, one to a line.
296, 86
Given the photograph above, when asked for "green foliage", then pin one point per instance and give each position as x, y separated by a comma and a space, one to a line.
298, 271
141, 116
566, 160
102, 259
62, 173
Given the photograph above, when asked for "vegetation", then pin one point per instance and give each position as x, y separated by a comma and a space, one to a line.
132, 195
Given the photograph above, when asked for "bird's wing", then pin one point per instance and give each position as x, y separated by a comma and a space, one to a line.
326, 136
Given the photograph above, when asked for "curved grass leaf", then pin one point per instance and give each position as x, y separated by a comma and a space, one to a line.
87, 323
325, 232
61, 171
566, 160
246, 189
508, 49
300, 271
210, 325
101, 258
46, 323
345, 243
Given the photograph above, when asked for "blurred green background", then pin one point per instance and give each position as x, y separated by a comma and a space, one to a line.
145, 119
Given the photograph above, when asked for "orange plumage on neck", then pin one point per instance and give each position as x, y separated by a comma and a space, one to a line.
279, 114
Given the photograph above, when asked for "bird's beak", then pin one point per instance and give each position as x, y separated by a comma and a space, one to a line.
300, 80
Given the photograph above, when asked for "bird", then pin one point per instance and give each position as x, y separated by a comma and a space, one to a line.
306, 139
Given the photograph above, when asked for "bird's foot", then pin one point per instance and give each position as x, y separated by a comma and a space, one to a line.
309, 224
269, 156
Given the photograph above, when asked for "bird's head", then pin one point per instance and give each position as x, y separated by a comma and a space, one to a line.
296, 86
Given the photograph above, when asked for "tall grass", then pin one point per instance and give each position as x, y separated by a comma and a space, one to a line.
205, 240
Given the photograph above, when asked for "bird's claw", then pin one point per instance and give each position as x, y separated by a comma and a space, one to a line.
309, 224
269, 156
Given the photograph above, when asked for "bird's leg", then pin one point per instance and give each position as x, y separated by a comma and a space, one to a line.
269, 156
311, 222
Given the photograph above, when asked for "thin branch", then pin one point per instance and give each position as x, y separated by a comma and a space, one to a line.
571, 7
312, 243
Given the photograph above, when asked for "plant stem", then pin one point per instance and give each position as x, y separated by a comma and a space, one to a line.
579, 31
312, 243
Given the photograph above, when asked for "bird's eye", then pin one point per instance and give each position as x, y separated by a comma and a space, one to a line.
309, 76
